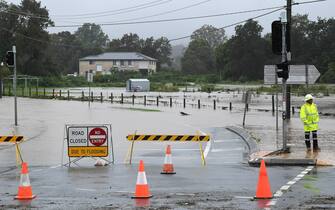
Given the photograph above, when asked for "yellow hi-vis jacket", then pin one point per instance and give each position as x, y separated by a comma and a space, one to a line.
309, 115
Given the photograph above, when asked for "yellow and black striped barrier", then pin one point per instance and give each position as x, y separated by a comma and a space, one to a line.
168, 138
11, 139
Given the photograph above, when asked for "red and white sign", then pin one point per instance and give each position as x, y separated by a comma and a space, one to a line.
97, 137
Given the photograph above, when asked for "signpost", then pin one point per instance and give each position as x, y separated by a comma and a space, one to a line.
299, 74
88, 141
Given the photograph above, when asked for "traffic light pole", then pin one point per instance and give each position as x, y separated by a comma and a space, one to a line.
288, 89
14, 86
284, 59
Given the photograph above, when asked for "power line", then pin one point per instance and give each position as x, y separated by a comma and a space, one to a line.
234, 24
237, 23
38, 40
167, 12
173, 19
100, 14
184, 37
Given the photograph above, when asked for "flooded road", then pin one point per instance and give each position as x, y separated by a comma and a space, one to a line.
225, 181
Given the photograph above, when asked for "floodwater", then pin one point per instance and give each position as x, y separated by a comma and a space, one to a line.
225, 181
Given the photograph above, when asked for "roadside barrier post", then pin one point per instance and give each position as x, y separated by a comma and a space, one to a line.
184, 102
82, 95
230, 106
60, 93
214, 104
44, 92
163, 138
170, 102
92, 98
145, 100
121, 98
111, 97
68, 95
198, 103
101, 97
53, 93
157, 101
133, 99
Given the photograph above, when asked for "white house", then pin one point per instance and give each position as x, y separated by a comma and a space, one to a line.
105, 63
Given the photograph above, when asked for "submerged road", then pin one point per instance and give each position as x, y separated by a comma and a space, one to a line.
226, 180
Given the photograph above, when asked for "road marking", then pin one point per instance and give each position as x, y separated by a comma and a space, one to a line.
289, 184
83, 189
244, 197
285, 187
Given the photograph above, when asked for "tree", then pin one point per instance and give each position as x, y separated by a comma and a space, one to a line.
159, 49
64, 53
214, 36
244, 55
91, 38
198, 58
329, 76
4, 72
28, 33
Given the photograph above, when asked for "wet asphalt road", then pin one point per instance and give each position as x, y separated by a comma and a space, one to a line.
226, 180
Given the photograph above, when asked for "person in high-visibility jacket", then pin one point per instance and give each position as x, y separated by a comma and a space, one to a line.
309, 115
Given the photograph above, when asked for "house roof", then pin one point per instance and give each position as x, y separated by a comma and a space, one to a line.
118, 56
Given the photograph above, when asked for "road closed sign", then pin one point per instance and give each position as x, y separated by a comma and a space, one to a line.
87, 141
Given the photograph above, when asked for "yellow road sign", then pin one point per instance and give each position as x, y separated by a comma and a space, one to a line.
168, 137
11, 139
88, 151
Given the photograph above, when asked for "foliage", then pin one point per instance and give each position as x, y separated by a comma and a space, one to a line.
61, 81
244, 55
163, 87
213, 36
329, 76
198, 58
31, 54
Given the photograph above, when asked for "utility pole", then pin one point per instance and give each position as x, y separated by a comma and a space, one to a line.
285, 65
14, 86
288, 40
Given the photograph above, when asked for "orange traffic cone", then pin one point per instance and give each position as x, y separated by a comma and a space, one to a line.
168, 166
25, 191
263, 187
142, 187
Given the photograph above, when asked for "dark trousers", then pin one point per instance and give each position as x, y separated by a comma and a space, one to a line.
314, 137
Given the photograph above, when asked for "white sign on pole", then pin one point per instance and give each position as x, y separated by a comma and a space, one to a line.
299, 74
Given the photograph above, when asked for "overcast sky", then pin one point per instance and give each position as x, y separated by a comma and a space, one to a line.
68, 12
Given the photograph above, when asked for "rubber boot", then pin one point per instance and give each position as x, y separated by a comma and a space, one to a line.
316, 146
308, 145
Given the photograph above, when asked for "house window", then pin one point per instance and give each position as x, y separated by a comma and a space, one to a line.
114, 62
129, 63
91, 62
122, 63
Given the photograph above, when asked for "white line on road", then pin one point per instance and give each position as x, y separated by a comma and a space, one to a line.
83, 189
289, 184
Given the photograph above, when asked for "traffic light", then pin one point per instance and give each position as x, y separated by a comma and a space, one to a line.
276, 32
10, 58
282, 70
